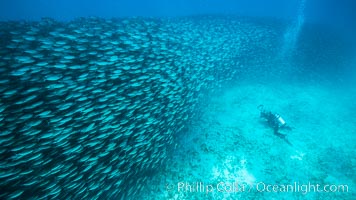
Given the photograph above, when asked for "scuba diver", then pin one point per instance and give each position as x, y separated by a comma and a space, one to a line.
276, 122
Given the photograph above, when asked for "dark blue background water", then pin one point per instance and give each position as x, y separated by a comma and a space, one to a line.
338, 13
321, 10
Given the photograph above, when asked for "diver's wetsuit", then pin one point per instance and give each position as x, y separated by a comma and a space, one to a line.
273, 122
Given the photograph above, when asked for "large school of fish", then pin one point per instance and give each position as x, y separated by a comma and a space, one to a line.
90, 107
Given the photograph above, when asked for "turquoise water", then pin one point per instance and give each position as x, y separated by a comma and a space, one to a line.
231, 144
230, 152
150, 105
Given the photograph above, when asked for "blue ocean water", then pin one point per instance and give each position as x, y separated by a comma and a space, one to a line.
199, 99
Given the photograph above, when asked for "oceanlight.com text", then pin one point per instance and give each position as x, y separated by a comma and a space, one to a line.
302, 188
235, 187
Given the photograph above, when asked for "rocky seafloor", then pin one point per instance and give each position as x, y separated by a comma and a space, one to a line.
231, 153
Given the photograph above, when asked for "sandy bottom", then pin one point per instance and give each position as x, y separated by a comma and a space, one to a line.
231, 153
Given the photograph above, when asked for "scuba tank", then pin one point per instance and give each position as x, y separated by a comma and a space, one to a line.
280, 120
276, 118
276, 122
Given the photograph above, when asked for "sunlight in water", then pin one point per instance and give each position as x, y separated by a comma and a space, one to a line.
291, 36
